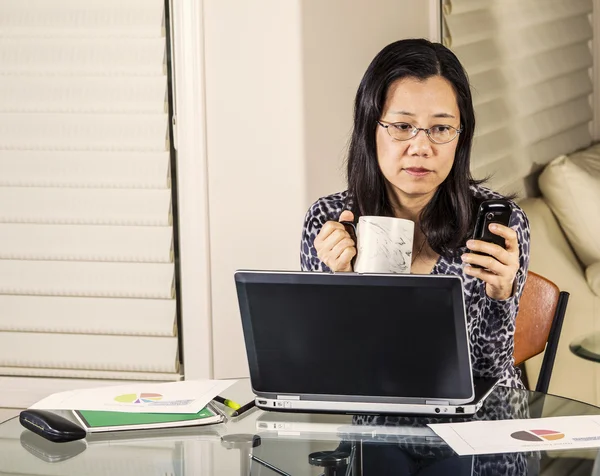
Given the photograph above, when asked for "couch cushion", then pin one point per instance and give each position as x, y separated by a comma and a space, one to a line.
588, 159
571, 188
553, 257
592, 273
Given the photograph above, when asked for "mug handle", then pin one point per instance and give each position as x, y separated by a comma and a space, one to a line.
351, 229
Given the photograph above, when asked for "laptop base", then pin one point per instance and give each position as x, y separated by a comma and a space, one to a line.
483, 387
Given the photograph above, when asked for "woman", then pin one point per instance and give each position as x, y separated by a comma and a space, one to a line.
409, 157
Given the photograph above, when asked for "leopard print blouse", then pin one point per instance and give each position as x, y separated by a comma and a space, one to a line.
491, 323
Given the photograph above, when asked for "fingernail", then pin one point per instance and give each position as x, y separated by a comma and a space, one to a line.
465, 257
493, 226
470, 243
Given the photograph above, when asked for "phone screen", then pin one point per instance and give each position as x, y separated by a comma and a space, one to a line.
491, 211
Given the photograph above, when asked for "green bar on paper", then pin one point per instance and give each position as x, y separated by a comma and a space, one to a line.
116, 420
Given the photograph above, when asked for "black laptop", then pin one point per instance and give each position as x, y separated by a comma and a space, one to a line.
355, 343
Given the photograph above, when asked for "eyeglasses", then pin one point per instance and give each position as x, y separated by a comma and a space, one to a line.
440, 134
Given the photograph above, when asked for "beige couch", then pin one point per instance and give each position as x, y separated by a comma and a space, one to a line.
565, 248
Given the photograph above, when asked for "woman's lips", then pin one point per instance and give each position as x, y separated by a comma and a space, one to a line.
417, 171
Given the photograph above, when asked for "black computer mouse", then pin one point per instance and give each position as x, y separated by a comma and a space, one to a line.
51, 426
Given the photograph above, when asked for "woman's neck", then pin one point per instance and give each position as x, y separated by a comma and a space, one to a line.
407, 206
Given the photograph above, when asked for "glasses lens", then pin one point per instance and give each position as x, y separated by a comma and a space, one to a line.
442, 134
401, 130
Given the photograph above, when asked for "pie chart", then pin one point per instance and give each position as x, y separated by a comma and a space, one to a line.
537, 435
139, 398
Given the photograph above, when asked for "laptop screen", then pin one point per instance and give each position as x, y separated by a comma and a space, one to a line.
334, 334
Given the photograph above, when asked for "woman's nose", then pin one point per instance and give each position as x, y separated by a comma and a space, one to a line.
420, 144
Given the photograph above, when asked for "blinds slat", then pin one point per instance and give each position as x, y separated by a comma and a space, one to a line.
564, 142
493, 115
531, 71
502, 111
89, 374
76, 315
492, 145
131, 18
508, 169
484, 170
527, 131
39, 168
85, 206
86, 267
547, 37
469, 27
88, 352
542, 96
491, 84
553, 121
151, 244
488, 85
528, 63
86, 56
83, 94
505, 170
457, 7
532, 12
131, 132
499, 19
95, 279
526, 43
479, 56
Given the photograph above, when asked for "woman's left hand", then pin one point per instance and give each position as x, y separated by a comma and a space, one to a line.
500, 268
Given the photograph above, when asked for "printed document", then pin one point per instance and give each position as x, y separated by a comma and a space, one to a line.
514, 436
189, 396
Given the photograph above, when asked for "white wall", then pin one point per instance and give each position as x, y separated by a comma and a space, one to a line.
280, 82
255, 152
339, 40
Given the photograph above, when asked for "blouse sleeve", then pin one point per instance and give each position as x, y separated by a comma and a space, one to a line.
313, 222
493, 321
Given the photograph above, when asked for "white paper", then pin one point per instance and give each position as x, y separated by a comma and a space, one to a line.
514, 436
189, 396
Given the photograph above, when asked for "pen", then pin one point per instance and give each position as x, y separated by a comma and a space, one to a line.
228, 403
244, 408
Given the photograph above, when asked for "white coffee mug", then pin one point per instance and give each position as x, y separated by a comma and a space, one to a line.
384, 244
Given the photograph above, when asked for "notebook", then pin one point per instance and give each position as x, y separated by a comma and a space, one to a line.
358, 343
102, 421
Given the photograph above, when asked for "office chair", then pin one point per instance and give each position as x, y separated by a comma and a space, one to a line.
539, 321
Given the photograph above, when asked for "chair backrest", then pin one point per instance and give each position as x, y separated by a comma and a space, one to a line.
537, 311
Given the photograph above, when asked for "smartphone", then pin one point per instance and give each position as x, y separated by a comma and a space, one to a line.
491, 211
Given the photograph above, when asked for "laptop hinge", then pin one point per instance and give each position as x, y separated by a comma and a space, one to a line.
437, 402
288, 397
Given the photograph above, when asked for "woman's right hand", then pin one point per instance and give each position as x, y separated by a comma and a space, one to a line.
334, 245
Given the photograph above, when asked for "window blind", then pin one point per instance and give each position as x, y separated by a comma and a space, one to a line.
87, 273
529, 63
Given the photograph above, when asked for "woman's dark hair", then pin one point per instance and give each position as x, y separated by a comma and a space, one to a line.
447, 219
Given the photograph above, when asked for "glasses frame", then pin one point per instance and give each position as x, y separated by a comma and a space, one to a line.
416, 130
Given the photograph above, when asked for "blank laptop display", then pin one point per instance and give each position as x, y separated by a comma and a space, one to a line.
351, 337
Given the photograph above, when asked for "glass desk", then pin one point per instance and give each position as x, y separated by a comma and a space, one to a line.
266, 444
587, 347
